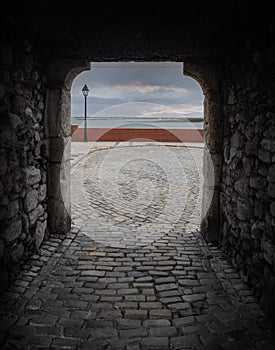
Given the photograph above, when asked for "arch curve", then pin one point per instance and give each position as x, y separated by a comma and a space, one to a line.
60, 75
208, 74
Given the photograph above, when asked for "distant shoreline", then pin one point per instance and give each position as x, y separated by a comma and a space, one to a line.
145, 123
183, 119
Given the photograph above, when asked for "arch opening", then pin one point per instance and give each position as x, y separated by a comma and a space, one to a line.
60, 148
60, 170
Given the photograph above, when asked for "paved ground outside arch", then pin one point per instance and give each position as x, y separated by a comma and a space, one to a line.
134, 272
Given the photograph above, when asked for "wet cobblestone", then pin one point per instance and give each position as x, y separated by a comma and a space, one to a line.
133, 273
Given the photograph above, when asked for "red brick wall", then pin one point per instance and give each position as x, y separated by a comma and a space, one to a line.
74, 127
123, 134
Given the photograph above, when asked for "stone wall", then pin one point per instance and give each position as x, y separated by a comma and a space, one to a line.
238, 83
23, 166
248, 179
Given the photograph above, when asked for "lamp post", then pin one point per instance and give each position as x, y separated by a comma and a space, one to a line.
85, 92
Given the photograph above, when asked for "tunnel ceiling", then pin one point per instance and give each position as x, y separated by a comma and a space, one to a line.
100, 32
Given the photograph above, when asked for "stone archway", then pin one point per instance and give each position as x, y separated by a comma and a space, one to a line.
242, 55
60, 76
58, 125
208, 74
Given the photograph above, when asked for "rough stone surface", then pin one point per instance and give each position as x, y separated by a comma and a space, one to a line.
166, 290
31, 200
41, 51
11, 231
248, 173
40, 232
23, 167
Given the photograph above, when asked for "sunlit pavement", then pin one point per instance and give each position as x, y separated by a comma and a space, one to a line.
134, 272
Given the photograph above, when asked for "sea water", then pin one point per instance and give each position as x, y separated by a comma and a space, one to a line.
147, 123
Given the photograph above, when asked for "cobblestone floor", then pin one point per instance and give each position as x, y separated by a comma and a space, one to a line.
134, 273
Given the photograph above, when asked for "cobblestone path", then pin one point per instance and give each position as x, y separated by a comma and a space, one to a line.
134, 273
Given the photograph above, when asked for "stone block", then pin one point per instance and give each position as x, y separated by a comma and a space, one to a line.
33, 175
267, 145
237, 140
271, 190
40, 230
58, 112
17, 253
241, 186
15, 120
31, 200
156, 343
268, 248
247, 165
11, 231
59, 197
257, 230
35, 214
42, 192
257, 182
231, 97
244, 210
265, 156
18, 104
251, 147
13, 209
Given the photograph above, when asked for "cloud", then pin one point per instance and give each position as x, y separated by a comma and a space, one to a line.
94, 104
144, 89
181, 110
152, 84
148, 110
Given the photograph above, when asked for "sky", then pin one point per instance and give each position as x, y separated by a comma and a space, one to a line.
137, 90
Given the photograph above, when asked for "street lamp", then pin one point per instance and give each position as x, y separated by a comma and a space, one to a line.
85, 92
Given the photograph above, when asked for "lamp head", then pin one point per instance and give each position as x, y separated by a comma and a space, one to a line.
85, 90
